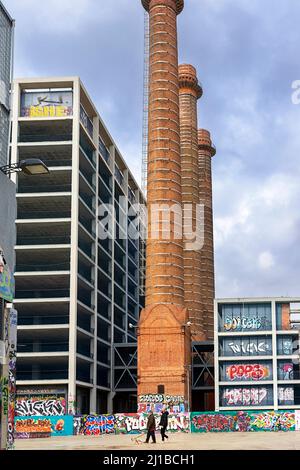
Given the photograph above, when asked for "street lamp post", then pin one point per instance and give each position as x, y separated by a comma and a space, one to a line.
32, 166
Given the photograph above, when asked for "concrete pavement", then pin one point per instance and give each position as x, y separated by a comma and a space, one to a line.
177, 441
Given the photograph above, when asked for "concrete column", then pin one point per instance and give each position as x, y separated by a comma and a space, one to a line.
205, 153
8, 379
74, 250
189, 92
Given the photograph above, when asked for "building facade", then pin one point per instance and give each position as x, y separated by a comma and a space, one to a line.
257, 353
6, 54
77, 269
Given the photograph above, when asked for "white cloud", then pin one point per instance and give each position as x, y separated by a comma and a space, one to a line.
266, 260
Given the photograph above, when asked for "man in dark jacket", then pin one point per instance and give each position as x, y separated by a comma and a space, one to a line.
164, 423
151, 428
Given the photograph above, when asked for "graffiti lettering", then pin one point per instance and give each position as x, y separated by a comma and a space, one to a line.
137, 423
272, 421
249, 348
96, 425
285, 395
42, 426
244, 396
40, 407
244, 323
174, 399
247, 371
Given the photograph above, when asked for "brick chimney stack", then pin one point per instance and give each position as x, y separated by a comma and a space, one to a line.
206, 151
189, 93
163, 337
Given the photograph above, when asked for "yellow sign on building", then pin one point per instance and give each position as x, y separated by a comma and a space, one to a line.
48, 111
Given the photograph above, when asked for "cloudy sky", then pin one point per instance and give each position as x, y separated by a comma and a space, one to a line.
247, 57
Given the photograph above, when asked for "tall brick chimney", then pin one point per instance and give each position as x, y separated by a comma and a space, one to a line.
205, 153
163, 337
189, 92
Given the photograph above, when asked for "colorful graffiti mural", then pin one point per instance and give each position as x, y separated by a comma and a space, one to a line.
273, 421
8, 381
94, 425
286, 371
42, 426
136, 423
248, 372
38, 406
7, 282
243, 421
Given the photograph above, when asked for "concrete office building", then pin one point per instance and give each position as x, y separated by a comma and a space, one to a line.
76, 293
257, 353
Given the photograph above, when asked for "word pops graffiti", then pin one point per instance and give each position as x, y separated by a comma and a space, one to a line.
42, 426
243, 421
247, 372
93, 425
244, 396
40, 407
136, 423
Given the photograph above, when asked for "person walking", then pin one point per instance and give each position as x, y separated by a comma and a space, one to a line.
164, 423
151, 428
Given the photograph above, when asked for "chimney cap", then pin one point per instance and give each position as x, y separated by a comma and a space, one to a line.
205, 143
179, 4
188, 79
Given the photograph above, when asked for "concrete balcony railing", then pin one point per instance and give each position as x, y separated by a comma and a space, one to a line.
51, 239
57, 374
35, 320
42, 294
43, 347
42, 267
27, 138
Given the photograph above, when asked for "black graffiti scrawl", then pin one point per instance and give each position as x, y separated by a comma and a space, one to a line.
34, 407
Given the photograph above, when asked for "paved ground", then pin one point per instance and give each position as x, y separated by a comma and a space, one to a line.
177, 441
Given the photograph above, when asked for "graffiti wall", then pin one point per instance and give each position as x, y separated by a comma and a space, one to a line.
137, 423
40, 406
27, 427
156, 402
43, 426
243, 421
